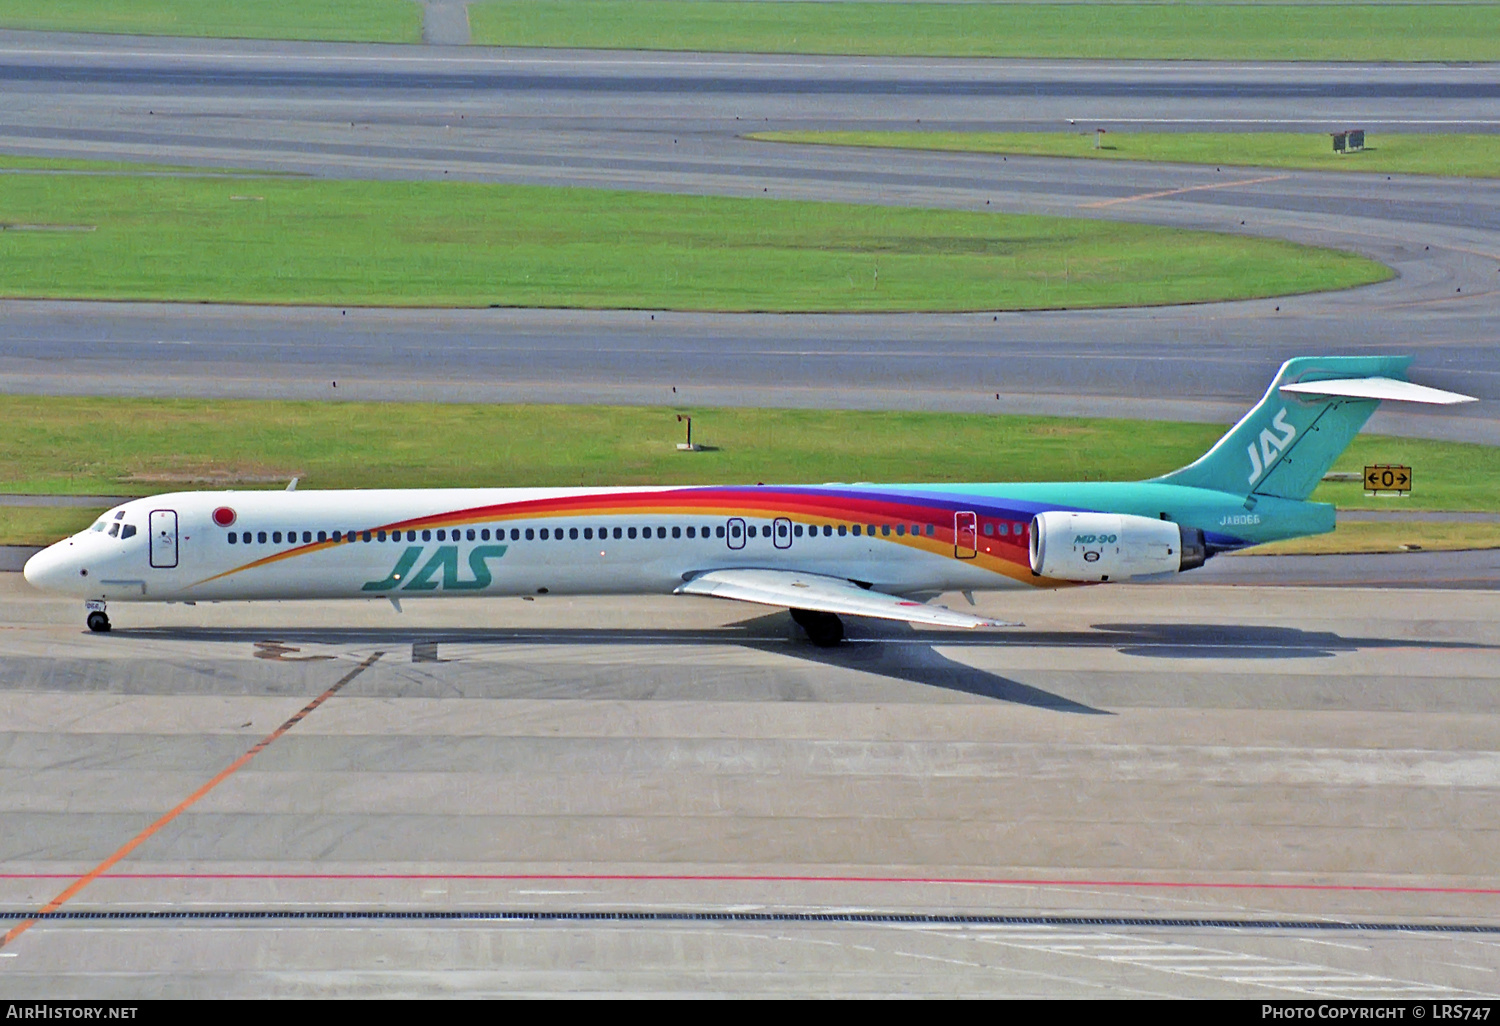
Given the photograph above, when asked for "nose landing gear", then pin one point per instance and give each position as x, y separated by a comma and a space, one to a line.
823, 629
97, 620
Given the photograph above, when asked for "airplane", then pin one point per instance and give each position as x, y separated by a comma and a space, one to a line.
821, 551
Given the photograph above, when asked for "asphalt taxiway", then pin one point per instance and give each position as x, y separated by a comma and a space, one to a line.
679, 122
678, 795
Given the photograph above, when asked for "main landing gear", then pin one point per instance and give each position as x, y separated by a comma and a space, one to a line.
823, 629
97, 619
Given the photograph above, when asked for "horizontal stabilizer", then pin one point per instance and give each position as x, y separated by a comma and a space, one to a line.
1309, 415
823, 594
1378, 388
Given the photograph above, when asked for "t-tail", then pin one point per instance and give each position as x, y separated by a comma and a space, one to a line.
1307, 418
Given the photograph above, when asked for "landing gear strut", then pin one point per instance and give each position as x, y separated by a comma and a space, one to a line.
97, 620
823, 629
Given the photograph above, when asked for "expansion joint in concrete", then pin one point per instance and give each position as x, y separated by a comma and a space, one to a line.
445, 22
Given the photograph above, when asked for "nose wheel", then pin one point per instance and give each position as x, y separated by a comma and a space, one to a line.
97, 621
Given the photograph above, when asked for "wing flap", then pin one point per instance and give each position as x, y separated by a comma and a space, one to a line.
824, 594
1378, 388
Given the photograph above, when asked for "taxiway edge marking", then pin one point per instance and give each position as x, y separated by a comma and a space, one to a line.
182, 806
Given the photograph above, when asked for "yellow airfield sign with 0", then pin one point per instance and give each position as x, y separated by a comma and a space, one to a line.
1388, 478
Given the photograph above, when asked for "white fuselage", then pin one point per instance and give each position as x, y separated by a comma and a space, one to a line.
400, 544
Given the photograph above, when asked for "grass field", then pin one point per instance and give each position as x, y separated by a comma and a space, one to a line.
1476, 156
374, 21
105, 446
14, 162
32, 525
280, 240
1368, 537
145, 446
1219, 31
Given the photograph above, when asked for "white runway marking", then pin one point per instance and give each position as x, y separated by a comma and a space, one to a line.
1209, 963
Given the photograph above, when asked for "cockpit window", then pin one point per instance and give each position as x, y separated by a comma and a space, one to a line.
99, 526
120, 515
128, 531
114, 530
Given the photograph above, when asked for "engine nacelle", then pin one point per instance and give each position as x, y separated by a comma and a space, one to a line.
1111, 546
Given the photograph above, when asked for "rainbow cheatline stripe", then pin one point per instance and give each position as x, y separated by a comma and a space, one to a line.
838, 505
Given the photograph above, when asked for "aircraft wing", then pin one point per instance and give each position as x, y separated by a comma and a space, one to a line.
823, 594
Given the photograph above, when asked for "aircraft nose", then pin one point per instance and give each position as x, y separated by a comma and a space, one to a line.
48, 569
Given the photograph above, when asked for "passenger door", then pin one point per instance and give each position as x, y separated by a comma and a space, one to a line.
162, 524
965, 535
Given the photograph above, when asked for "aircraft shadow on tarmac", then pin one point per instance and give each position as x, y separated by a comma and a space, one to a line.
896, 651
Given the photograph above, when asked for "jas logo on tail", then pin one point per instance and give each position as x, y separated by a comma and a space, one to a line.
1269, 447
440, 571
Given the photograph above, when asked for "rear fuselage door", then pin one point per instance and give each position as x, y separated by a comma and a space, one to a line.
163, 531
965, 535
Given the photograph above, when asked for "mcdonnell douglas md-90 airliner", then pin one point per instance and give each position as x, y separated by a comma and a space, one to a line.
821, 551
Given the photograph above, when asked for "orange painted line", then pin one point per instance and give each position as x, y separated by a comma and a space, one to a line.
1178, 192
182, 806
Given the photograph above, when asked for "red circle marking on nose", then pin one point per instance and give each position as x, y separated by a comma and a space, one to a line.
223, 516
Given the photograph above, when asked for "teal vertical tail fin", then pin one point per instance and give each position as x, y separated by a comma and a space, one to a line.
1285, 445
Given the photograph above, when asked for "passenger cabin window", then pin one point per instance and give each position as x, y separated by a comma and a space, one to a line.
261, 537
232, 537
276, 537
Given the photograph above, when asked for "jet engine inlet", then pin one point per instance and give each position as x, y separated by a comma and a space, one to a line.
1111, 546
